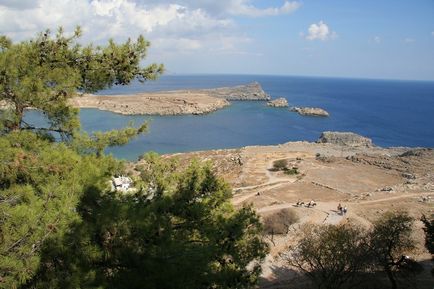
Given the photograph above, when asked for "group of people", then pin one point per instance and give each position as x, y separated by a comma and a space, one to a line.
342, 210
311, 204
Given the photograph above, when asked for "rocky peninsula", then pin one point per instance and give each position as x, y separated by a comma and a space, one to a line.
310, 111
179, 102
161, 103
278, 102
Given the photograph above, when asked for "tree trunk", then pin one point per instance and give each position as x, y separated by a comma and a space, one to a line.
391, 278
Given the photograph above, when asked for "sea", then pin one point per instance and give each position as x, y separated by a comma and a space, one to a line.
390, 112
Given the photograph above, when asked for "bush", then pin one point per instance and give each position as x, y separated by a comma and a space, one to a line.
341, 256
279, 223
280, 165
293, 171
331, 256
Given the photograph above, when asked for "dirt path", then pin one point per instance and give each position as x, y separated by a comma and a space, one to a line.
287, 205
407, 195
238, 198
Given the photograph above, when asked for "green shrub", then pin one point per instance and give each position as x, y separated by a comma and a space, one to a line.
292, 171
280, 165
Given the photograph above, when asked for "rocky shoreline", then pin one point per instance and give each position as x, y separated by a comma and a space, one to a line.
278, 102
310, 111
179, 102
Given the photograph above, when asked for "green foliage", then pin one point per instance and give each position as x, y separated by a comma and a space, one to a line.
45, 72
98, 141
280, 165
41, 184
330, 255
186, 236
292, 171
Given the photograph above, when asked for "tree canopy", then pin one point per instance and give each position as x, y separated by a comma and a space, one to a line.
62, 225
183, 234
41, 184
331, 256
340, 256
45, 72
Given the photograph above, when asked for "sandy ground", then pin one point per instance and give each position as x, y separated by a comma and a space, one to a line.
368, 181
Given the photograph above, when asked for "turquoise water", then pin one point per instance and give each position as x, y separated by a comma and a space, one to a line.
392, 113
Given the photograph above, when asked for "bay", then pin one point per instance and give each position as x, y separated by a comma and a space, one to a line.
391, 112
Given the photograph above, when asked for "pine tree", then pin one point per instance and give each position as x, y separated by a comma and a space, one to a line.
45, 72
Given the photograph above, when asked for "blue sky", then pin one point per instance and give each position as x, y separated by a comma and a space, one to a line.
346, 38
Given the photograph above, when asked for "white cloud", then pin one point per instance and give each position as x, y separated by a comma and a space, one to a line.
377, 39
245, 8
432, 33
177, 44
101, 19
172, 26
320, 31
233, 7
409, 40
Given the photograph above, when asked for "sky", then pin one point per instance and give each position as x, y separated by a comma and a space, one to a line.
386, 39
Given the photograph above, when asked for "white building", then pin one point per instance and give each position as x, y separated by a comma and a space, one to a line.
122, 183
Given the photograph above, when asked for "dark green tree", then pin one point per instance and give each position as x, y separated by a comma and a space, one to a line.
45, 72
41, 184
179, 232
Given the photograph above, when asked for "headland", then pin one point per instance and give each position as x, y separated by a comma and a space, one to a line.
179, 102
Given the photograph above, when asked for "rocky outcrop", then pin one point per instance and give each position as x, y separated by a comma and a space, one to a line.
312, 111
278, 102
251, 91
344, 139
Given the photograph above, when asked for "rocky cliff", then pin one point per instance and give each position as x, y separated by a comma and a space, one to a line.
251, 91
312, 111
344, 139
278, 102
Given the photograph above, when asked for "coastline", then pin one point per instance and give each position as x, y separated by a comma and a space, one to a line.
177, 102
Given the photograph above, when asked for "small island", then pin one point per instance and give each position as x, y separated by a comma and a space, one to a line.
278, 102
310, 111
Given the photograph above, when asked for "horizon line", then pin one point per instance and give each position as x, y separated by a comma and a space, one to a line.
297, 75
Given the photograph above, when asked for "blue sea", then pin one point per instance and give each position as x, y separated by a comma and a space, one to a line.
391, 112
